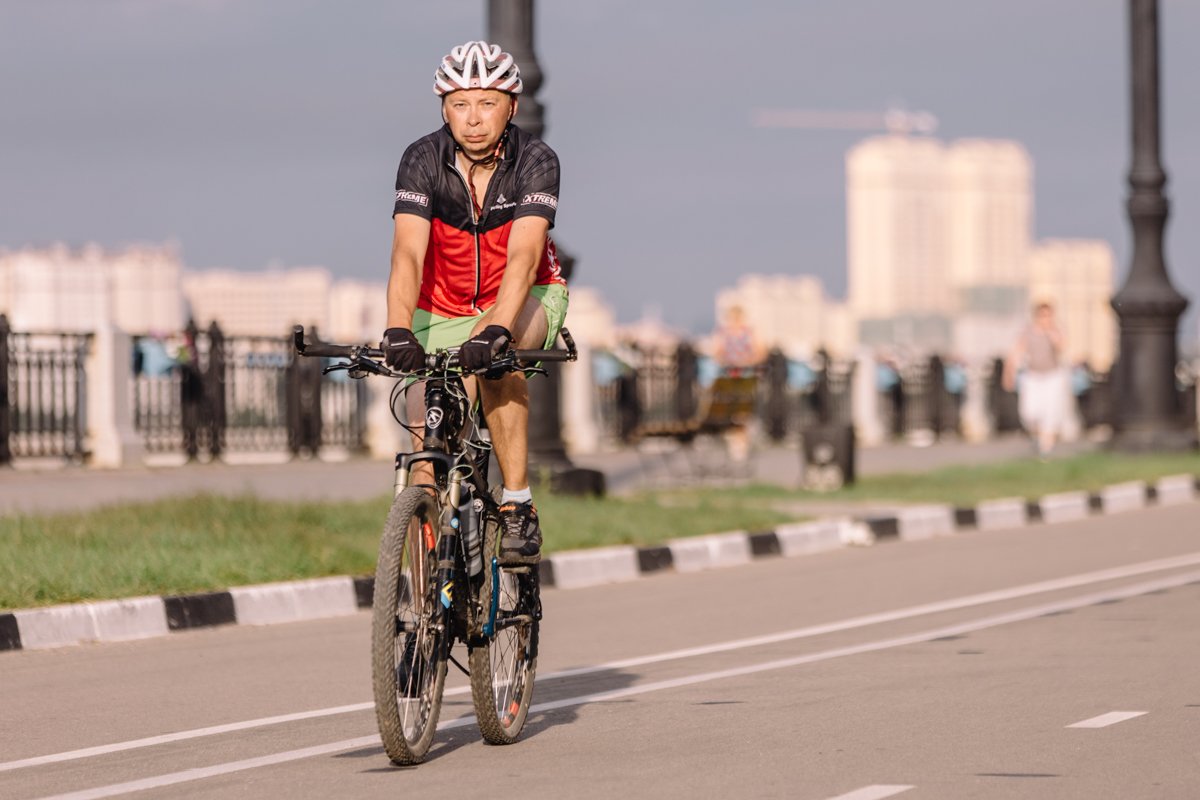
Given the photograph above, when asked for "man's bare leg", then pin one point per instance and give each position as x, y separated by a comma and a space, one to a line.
506, 400
506, 405
414, 413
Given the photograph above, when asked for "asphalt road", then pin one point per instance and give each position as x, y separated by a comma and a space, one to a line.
951, 668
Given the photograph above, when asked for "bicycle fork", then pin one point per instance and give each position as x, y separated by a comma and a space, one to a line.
447, 552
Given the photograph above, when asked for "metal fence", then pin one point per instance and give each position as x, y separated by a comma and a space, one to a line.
43, 394
200, 392
653, 387
921, 397
656, 386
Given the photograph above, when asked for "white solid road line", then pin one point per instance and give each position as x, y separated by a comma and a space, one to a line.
213, 730
166, 738
171, 779
1014, 593
1111, 718
876, 792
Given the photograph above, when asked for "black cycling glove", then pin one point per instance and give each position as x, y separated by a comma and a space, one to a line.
478, 351
401, 350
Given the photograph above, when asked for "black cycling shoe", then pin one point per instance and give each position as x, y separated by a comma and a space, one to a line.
410, 671
521, 538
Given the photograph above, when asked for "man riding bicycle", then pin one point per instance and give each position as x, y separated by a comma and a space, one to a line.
472, 263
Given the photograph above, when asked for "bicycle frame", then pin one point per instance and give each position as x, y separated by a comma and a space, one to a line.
449, 452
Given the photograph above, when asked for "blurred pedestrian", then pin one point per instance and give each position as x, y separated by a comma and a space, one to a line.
736, 347
739, 354
191, 391
1042, 388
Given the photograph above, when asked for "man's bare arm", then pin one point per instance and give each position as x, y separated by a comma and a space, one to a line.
409, 243
526, 243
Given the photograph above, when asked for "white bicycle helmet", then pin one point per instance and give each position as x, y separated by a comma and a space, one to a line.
477, 65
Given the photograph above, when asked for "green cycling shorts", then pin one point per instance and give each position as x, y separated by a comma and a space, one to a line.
437, 333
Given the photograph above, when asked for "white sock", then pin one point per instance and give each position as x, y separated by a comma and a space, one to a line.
519, 496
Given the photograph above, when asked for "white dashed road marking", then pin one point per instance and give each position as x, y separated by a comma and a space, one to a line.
876, 792
1104, 720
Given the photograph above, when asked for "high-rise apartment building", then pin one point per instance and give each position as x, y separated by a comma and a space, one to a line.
896, 245
1077, 277
935, 231
989, 207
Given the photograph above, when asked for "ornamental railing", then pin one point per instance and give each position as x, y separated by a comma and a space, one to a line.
43, 394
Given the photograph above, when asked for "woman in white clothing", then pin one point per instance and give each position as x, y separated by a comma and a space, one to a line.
1044, 390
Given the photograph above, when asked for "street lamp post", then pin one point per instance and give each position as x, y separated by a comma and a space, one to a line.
1149, 412
510, 24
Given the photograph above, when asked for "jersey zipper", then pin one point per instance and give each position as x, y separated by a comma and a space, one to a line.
474, 234
477, 220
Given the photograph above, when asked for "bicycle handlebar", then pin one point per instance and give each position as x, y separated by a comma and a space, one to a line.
359, 353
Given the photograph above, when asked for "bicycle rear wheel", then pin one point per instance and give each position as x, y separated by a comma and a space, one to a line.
503, 667
408, 653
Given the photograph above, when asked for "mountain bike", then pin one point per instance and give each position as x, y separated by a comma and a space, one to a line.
439, 579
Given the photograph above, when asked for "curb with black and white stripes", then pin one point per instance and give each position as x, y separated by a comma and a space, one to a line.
292, 601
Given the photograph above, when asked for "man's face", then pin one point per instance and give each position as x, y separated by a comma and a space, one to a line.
477, 118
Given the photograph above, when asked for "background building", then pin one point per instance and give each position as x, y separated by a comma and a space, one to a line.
58, 288
936, 233
896, 244
265, 303
791, 312
989, 224
357, 312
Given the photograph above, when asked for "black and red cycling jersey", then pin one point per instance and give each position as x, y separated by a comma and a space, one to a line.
466, 256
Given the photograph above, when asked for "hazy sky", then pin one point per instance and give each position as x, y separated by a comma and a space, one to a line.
259, 132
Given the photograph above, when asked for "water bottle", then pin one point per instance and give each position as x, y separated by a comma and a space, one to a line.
468, 519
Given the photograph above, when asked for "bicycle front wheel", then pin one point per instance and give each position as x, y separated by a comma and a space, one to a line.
503, 666
408, 648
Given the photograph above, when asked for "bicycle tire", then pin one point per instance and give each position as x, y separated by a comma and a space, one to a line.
503, 667
404, 617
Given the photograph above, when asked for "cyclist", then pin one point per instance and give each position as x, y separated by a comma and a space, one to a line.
472, 263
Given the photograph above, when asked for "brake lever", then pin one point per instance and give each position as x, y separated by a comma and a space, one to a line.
369, 365
359, 368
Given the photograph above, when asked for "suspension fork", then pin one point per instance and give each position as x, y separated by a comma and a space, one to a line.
447, 553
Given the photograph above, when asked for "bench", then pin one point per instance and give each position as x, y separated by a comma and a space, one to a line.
727, 403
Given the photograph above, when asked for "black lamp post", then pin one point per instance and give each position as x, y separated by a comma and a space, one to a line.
1149, 412
510, 24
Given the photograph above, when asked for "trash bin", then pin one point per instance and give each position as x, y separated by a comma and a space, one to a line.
828, 462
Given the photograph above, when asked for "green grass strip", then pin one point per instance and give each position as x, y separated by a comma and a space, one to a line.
1028, 478
206, 542
968, 485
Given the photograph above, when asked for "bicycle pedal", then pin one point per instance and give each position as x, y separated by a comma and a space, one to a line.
518, 570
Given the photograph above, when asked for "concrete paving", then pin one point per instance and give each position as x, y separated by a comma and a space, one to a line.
51, 487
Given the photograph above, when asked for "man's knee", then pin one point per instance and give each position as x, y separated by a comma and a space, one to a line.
531, 326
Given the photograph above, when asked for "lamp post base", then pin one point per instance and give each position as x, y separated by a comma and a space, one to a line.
1158, 439
569, 479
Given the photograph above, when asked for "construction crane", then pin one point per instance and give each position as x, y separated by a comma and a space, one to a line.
894, 120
